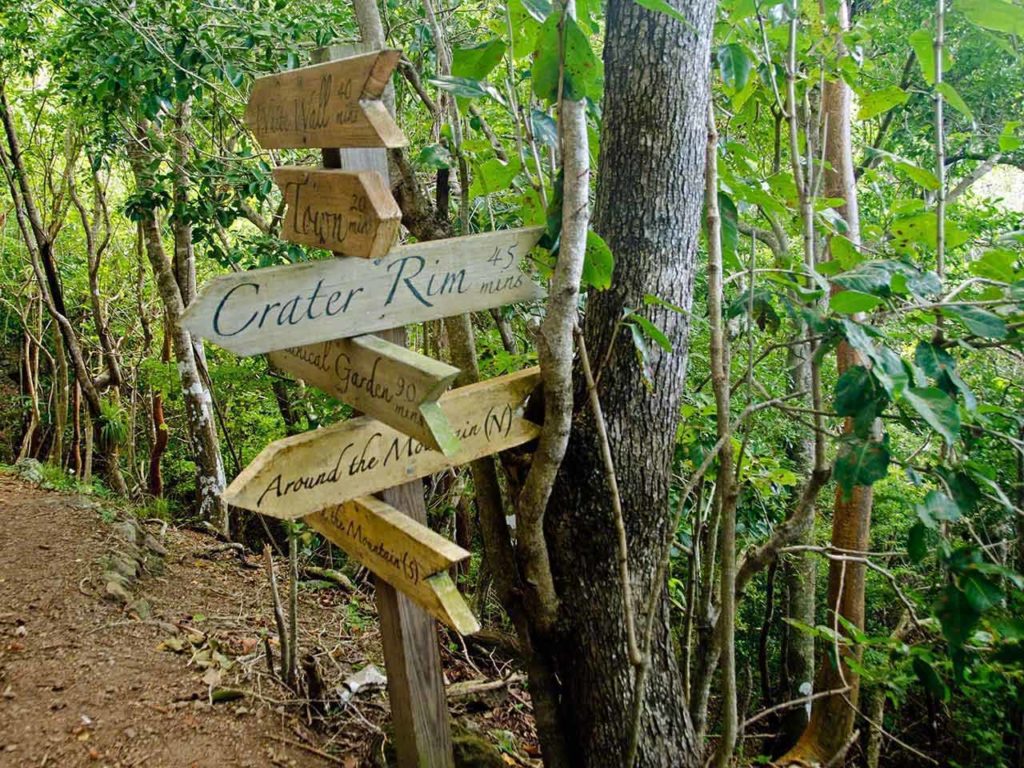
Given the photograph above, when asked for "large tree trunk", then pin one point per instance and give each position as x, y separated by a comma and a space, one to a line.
198, 403
648, 209
832, 717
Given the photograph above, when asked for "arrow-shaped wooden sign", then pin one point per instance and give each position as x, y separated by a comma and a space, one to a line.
349, 213
406, 554
335, 104
390, 383
297, 304
306, 473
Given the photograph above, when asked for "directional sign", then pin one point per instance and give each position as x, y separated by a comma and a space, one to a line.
350, 213
326, 105
406, 554
306, 473
390, 383
297, 304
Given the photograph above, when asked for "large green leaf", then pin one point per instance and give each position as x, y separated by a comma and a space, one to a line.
996, 264
924, 49
477, 61
997, 15
951, 95
940, 365
978, 321
922, 229
494, 176
874, 103
598, 263
861, 461
851, 302
956, 615
937, 408
936, 509
583, 71
859, 395
734, 63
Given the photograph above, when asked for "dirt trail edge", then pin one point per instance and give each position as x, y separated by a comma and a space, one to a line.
84, 683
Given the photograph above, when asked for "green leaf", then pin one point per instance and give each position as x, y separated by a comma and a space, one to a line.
844, 252
956, 615
735, 65
583, 71
859, 395
940, 365
544, 128
924, 49
978, 321
661, 6
477, 61
917, 546
538, 9
930, 678
981, 592
467, 88
950, 94
729, 218
861, 461
650, 331
598, 263
1008, 139
851, 302
875, 103
919, 175
997, 15
996, 264
937, 508
434, 156
921, 229
937, 408
494, 176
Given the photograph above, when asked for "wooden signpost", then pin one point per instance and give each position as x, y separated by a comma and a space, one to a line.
306, 473
390, 383
280, 307
326, 105
352, 213
406, 554
313, 318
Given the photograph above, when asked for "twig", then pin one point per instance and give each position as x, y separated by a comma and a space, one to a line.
613, 487
312, 750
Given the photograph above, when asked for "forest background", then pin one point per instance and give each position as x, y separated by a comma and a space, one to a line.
843, 473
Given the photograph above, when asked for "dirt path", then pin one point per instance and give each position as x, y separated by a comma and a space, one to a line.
81, 683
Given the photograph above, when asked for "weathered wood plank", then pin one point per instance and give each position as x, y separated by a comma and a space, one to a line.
404, 553
306, 473
297, 304
350, 213
336, 103
390, 383
419, 708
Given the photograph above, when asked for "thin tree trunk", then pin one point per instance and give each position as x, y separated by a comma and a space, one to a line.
648, 209
60, 400
832, 717
30, 376
198, 404
76, 430
89, 443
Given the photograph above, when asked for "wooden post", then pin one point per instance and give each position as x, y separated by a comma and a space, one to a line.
412, 658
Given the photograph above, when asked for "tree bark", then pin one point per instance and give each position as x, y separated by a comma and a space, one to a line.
648, 209
198, 403
832, 717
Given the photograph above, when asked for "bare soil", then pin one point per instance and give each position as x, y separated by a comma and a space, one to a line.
85, 681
